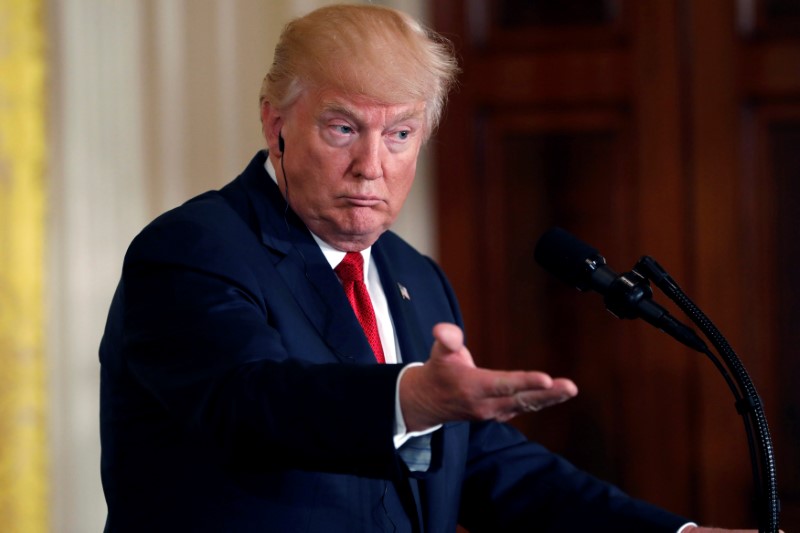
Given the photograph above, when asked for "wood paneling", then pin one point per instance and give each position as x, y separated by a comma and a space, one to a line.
668, 128
772, 193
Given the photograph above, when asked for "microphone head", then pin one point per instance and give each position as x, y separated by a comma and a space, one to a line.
567, 257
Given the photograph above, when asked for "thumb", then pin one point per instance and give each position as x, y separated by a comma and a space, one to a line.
449, 338
449, 345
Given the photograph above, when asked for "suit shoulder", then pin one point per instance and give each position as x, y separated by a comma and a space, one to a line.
394, 244
201, 210
205, 225
404, 256
418, 273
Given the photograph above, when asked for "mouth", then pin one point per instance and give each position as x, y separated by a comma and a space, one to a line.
361, 200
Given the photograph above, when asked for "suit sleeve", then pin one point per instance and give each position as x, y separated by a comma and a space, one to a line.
190, 342
512, 484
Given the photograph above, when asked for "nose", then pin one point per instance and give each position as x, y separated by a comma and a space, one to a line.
367, 163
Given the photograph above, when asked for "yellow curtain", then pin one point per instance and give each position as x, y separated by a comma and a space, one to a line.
23, 468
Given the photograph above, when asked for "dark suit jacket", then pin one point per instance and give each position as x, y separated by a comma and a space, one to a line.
238, 393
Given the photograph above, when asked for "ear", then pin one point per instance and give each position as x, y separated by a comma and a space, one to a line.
271, 124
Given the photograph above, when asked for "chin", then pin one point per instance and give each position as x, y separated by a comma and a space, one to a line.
365, 226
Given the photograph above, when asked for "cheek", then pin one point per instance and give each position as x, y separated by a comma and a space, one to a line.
316, 174
405, 174
400, 186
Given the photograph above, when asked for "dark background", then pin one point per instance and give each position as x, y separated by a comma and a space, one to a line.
662, 127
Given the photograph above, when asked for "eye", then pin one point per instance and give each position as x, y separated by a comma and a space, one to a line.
401, 135
342, 129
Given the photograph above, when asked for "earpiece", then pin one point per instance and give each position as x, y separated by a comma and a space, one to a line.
282, 148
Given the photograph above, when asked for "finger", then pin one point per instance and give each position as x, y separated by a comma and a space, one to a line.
449, 336
509, 383
566, 386
536, 400
510, 408
521, 404
531, 403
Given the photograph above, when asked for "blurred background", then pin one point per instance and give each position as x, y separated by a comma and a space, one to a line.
668, 127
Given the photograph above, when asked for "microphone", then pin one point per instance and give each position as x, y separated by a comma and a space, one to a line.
627, 296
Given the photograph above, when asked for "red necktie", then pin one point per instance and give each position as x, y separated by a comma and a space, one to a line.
351, 273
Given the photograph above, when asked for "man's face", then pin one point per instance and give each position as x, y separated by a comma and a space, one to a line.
349, 162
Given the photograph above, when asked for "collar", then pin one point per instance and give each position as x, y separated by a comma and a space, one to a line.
335, 256
270, 169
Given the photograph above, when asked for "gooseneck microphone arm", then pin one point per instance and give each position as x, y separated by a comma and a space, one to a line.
748, 402
629, 295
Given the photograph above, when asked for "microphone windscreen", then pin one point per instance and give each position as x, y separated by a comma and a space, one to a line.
564, 255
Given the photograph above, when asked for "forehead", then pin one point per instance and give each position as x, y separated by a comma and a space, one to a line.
330, 103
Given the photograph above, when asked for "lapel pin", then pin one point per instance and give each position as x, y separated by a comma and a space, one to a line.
404, 292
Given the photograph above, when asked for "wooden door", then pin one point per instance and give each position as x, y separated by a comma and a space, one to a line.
668, 128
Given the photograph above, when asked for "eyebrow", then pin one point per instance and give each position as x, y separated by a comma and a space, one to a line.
338, 108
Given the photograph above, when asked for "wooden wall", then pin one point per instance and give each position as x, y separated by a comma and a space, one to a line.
669, 128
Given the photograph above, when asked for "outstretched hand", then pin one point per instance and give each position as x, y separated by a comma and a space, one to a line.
449, 387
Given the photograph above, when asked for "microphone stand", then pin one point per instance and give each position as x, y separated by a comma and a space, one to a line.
748, 403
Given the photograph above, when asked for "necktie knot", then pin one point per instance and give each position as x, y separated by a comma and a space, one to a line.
351, 269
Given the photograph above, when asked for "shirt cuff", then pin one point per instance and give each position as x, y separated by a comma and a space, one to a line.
684, 526
401, 433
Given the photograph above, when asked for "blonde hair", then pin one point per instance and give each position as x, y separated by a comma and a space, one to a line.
365, 50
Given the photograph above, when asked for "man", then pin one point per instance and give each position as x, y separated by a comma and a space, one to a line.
251, 380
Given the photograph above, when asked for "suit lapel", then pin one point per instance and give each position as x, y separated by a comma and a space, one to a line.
413, 347
303, 268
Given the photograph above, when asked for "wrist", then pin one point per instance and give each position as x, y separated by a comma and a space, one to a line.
409, 386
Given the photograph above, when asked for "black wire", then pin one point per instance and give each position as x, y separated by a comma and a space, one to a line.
286, 189
286, 208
